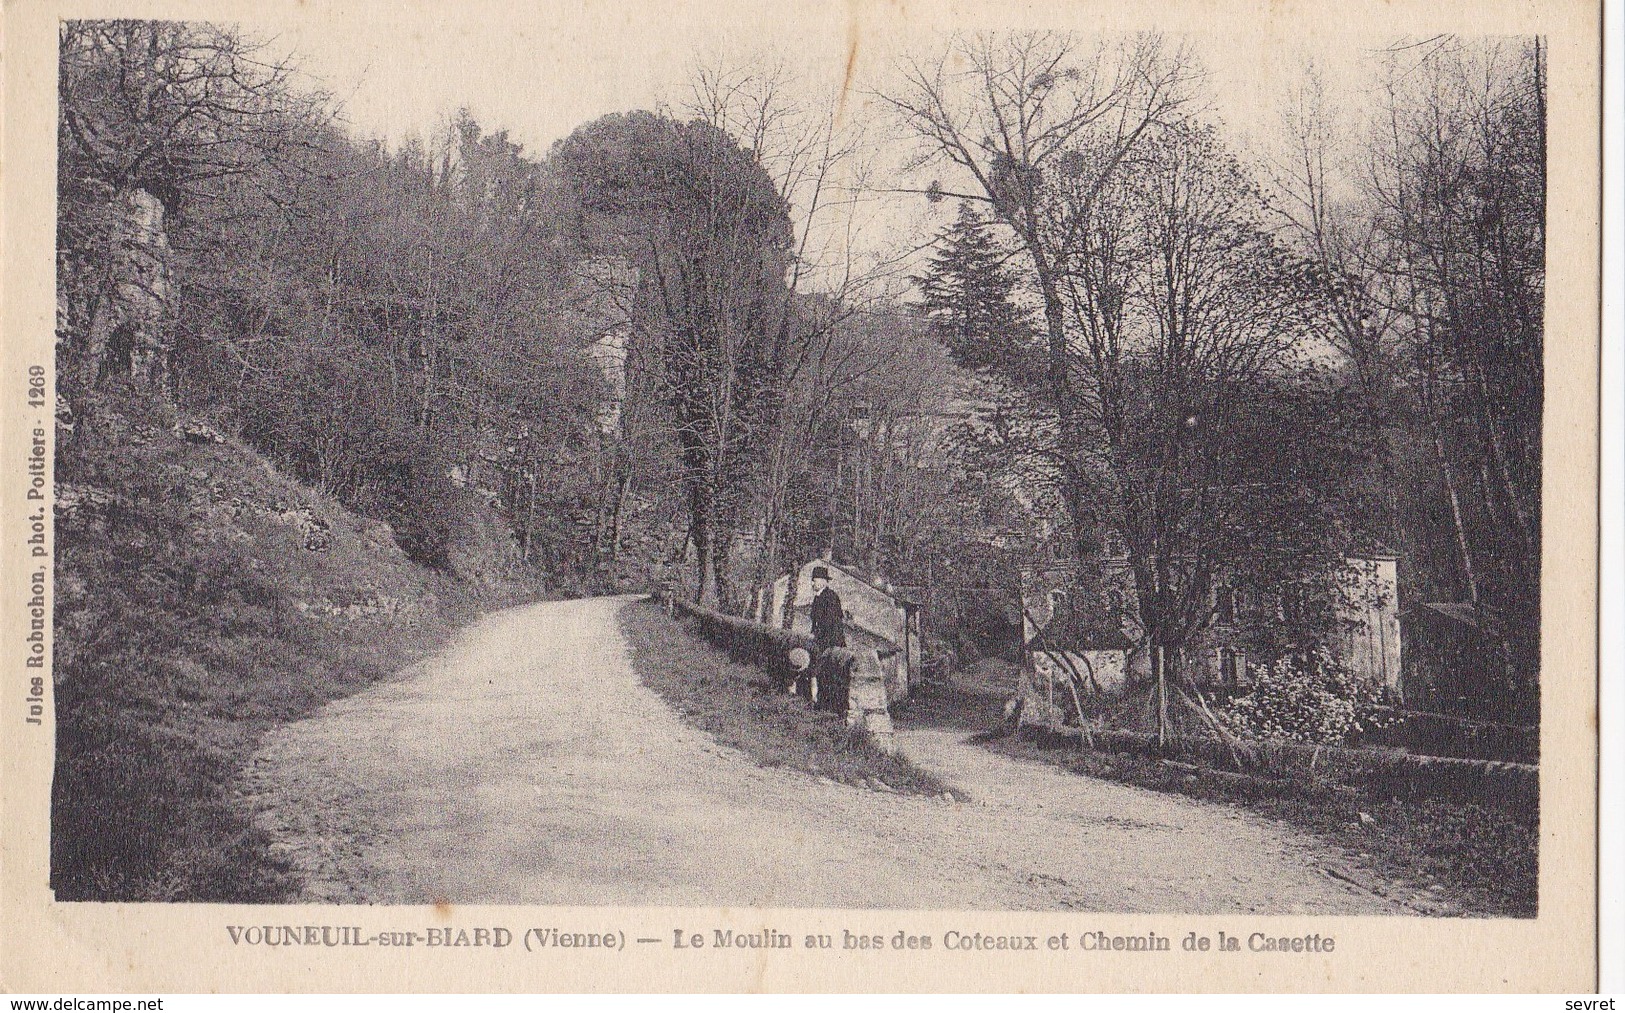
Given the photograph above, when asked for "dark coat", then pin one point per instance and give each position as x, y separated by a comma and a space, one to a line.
828, 619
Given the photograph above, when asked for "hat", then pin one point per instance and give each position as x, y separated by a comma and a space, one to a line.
820, 571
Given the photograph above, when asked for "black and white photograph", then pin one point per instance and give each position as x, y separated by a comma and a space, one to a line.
592, 461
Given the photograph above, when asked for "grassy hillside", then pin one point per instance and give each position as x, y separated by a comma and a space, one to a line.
737, 704
201, 597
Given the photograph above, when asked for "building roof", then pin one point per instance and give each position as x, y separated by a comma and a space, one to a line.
895, 594
1462, 612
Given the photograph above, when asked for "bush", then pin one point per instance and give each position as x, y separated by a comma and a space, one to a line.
1311, 700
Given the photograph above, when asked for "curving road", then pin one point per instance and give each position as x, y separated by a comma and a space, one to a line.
526, 764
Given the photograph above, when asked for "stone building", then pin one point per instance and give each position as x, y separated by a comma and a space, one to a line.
1084, 626
876, 616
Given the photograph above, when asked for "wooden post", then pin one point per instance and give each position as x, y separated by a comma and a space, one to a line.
1160, 664
1049, 688
530, 514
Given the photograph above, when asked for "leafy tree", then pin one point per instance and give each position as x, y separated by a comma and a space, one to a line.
379, 321
710, 239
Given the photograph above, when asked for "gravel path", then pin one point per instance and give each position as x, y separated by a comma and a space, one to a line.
526, 764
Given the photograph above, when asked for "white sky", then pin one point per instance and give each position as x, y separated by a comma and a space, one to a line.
542, 72
543, 76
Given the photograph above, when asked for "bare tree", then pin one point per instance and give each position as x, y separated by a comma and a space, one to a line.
1317, 193
1182, 316
1037, 127
1458, 183
153, 116
1424, 220
1002, 109
817, 159
1189, 319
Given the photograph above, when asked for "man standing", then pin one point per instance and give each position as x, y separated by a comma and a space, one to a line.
828, 630
828, 617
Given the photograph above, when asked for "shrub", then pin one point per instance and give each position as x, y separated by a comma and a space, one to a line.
1311, 699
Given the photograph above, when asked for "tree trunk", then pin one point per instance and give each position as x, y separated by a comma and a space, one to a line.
1055, 326
700, 536
1449, 476
705, 593
530, 512
787, 617
94, 354
721, 555
622, 494
611, 505
1159, 667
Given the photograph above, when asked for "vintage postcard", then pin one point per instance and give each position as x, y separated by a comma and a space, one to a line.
800, 496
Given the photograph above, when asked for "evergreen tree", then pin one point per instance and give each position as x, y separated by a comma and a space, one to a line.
969, 294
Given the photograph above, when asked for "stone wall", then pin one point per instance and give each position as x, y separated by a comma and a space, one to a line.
769, 647
875, 619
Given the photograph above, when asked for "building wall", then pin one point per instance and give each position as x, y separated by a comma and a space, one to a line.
874, 619
867, 607
1367, 638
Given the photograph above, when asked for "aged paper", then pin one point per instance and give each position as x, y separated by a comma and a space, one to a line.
401, 934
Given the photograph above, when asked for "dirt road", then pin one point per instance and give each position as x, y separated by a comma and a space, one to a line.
527, 764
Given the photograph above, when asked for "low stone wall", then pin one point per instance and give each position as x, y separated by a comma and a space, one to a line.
1400, 774
1446, 735
769, 647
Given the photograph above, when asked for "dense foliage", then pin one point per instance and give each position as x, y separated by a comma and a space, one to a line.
1309, 699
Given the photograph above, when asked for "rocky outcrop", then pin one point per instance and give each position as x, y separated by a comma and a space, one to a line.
115, 302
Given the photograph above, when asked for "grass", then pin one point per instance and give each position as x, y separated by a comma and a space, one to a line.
738, 707
192, 614
1438, 855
